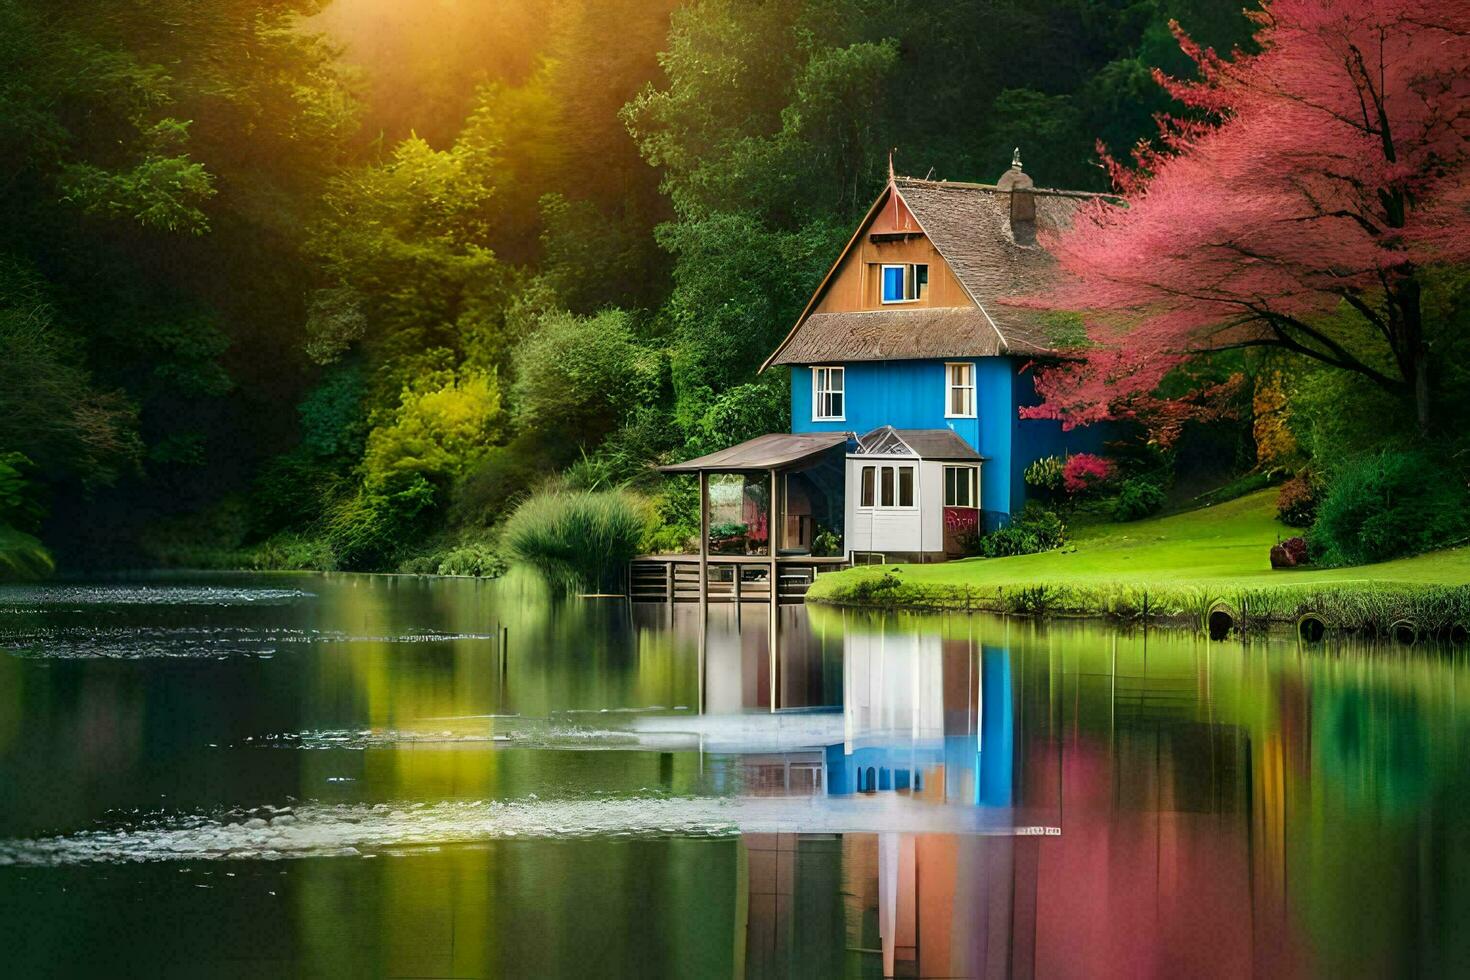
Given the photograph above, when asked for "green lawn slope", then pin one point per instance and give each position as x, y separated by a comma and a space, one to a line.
1175, 565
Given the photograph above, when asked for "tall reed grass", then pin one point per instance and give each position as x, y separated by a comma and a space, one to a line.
579, 540
22, 557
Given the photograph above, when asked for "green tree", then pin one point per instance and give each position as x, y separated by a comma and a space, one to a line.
577, 378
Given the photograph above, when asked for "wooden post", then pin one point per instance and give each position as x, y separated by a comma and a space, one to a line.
504, 645
703, 584
773, 519
703, 543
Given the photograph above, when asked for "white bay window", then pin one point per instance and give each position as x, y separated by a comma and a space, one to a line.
887, 487
961, 486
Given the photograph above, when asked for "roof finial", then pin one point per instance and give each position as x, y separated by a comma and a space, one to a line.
1016, 158
891, 151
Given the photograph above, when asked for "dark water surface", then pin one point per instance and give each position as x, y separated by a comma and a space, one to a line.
342, 775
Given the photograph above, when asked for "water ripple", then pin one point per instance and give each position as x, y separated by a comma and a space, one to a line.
189, 642
22, 598
320, 830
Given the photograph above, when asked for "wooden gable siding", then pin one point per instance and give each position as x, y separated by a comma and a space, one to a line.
890, 237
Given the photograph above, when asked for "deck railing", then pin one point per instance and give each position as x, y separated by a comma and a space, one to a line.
675, 578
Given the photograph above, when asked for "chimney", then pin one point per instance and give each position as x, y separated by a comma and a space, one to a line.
1017, 185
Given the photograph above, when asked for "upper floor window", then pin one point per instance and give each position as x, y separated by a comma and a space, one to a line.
828, 394
960, 390
962, 486
887, 487
905, 283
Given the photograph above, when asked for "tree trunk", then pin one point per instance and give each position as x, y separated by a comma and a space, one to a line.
1415, 361
1420, 386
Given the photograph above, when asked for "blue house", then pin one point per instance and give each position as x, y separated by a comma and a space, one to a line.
908, 373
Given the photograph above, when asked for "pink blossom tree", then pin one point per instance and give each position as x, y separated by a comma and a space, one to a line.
1085, 472
1298, 208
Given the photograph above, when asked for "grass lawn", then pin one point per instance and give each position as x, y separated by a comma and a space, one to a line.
1216, 550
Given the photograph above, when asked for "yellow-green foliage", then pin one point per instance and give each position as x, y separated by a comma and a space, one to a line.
440, 428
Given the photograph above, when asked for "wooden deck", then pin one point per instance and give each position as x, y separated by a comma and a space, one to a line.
731, 578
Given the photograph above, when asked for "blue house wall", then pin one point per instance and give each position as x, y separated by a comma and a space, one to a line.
911, 395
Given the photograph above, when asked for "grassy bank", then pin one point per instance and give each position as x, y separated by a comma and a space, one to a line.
1175, 568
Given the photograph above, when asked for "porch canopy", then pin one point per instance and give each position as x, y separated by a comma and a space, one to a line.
775, 451
775, 495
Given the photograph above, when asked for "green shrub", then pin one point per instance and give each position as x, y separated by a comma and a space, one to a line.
20, 498
366, 531
332, 414
741, 413
1032, 600
1034, 529
290, 493
488, 491
885, 589
1045, 474
576, 378
1137, 498
291, 552
1386, 504
826, 543
442, 426
472, 558
579, 540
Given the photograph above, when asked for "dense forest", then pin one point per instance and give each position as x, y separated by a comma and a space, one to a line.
298, 283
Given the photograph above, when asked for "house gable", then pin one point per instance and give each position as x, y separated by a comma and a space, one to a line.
890, 236
979, 245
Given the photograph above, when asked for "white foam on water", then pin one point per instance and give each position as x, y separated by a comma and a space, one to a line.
190, 642
21, 598
322, 830
526, 734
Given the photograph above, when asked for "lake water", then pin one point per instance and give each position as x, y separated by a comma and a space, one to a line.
352, 775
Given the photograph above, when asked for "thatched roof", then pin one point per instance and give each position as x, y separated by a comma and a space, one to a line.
892, 335
970, 226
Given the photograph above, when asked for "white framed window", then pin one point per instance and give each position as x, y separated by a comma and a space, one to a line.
828, 394
905, 283
959, 390
962, 486
887, 486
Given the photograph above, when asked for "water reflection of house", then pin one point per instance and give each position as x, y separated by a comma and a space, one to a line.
927, 715
1154, 876
1166, 863
919, 714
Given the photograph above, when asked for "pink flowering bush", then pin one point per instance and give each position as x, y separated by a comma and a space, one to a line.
1085, 472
